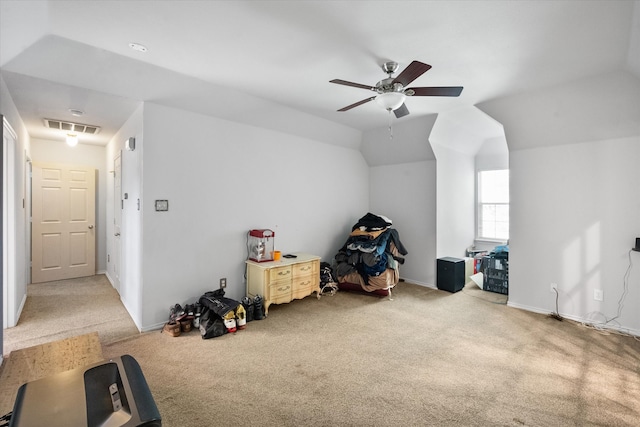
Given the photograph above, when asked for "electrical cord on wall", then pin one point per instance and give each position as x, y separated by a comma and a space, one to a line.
606, 326
625, 290
556, 314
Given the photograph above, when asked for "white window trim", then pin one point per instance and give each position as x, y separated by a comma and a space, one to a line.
478, 238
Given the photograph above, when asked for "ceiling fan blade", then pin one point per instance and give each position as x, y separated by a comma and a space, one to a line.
436, 91
364, 101
346, 83
412, 72
401, 111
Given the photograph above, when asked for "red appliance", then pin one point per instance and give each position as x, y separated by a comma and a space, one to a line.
261, 244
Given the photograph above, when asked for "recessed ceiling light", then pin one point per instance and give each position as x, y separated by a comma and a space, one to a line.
75, 112
137, 46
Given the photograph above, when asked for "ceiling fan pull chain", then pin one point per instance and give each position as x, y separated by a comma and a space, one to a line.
390, 128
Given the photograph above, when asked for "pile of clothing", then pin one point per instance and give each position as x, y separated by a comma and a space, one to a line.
371, 255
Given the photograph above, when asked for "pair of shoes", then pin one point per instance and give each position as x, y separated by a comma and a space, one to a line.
172, 328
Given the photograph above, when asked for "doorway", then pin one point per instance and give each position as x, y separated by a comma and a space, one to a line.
117, 219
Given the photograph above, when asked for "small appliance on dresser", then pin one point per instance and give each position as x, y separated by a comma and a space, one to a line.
450, 274
260, 244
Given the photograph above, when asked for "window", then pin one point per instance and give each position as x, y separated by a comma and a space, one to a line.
493, 205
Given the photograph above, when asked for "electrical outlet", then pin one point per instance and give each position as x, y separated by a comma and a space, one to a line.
598, 295
223, 283
553, 287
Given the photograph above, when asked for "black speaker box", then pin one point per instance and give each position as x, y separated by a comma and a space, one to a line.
450, 274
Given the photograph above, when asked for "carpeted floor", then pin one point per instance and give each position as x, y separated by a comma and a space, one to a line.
426, 358
67, 308
33, 363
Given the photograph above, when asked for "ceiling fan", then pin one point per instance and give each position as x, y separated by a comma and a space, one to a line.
392, 92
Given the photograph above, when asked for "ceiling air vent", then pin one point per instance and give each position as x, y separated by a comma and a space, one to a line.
71, 127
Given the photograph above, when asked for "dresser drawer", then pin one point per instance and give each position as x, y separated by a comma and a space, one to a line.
303, 282
279, 274
304, 269
303, 286
280, 292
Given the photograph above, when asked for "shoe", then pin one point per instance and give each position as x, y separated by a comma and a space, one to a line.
230, 324
258, 314
185, 324
196, 316
176, 313
172, 328
247, 303
241, 318
190, 310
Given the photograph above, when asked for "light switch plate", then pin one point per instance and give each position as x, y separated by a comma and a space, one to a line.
162, 205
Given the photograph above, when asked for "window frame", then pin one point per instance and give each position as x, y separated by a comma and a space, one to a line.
480, 204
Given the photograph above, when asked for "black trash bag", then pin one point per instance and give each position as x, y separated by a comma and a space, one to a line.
217, 308
218, 303
211, 325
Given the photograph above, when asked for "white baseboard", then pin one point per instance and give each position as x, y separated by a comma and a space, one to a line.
579, 319
155, 327
416, 282
106, 273
19, 312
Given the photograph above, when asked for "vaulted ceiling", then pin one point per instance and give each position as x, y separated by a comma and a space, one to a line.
238, 59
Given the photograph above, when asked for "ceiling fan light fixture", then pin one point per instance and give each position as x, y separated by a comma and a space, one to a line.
72, 139
390, 100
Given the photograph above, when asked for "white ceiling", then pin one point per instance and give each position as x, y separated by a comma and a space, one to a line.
57, 55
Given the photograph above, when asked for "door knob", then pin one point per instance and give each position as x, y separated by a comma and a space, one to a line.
91, 227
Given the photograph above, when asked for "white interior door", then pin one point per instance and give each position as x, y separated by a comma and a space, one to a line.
63, 222
117, 219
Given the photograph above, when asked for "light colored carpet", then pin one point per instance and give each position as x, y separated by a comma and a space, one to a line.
426, 358
67, 308
32, 363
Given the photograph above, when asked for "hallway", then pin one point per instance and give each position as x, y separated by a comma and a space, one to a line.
68, 308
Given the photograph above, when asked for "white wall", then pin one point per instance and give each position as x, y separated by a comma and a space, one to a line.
575, 215
83, 155
222, 179
493, 155
455, 202
575, 205
406, 193
410, 142
130, 279
21, 152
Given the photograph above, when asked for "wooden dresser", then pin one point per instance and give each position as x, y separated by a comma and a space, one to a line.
284, 280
